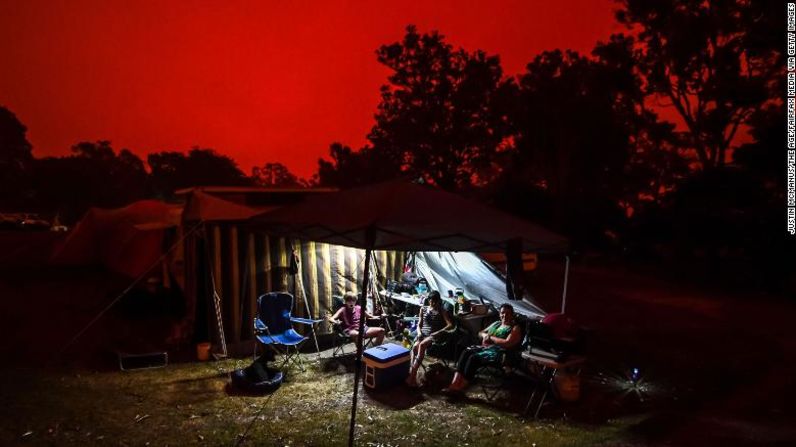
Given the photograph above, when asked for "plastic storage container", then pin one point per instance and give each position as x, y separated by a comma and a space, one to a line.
385, 365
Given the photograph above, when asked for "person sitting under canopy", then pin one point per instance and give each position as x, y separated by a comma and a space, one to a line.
499, 336
348, 317
433, 324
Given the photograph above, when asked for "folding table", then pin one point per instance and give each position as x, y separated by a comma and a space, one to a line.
547, 376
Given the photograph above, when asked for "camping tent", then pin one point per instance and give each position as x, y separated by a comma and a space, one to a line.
237, 263
128, 240
200, 244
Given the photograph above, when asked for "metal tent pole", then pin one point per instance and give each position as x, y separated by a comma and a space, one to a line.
363, 306
566, 281
309, 313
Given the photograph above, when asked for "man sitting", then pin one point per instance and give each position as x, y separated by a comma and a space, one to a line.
348, 318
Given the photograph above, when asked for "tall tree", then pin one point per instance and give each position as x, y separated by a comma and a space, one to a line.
712, 61
200, 167
657, 160
15, 159
443, 115
572, 143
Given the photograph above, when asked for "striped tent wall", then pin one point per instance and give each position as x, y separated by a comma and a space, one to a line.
246, 265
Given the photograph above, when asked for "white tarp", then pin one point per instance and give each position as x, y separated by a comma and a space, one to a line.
448, 270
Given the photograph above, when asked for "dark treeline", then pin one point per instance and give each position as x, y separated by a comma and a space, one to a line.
576, 141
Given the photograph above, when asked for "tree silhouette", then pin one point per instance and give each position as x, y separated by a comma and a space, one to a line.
764, 156
348, 168
15, 159
200, 167
275, 175
443, 114
572, 141
713, 61
94, 175
657, 160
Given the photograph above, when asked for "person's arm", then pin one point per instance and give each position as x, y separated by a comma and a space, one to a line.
509, 342
372, 317
484, 334
336, 317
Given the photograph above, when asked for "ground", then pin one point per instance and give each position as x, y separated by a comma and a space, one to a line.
717, 369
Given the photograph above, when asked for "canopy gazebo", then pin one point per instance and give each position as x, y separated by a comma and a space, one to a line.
399, 215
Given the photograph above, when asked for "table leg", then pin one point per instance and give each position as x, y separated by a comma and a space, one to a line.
537, 388
547, 389
544, 386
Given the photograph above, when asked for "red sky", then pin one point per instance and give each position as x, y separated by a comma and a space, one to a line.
261, 81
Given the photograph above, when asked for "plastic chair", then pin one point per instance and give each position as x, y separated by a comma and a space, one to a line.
273, 327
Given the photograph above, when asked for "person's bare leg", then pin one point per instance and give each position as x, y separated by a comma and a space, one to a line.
353, 334
377, 333
417, 360
381, 333
421, 354
413, 353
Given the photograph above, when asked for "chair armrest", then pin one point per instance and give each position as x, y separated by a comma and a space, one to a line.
260, 327
308, 321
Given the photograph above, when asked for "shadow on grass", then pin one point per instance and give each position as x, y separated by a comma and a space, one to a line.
232, 390
341, 364
399, 397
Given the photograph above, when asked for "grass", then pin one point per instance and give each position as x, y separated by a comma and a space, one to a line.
190, 404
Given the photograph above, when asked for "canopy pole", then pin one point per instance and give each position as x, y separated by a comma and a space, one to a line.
370, 240
566, 281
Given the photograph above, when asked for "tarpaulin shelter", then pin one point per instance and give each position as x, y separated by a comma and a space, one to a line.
398, 215
445, 270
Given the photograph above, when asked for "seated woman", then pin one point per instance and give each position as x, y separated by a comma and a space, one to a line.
348, 317
499, 336
434, 321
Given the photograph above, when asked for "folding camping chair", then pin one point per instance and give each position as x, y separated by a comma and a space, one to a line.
493, 377
273, 327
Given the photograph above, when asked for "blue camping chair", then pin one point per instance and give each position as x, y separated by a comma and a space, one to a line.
273, 327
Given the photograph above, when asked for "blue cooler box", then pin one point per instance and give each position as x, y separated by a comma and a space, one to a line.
385, 365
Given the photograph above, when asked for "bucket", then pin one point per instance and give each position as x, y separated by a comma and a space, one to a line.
568, 386
203, 351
